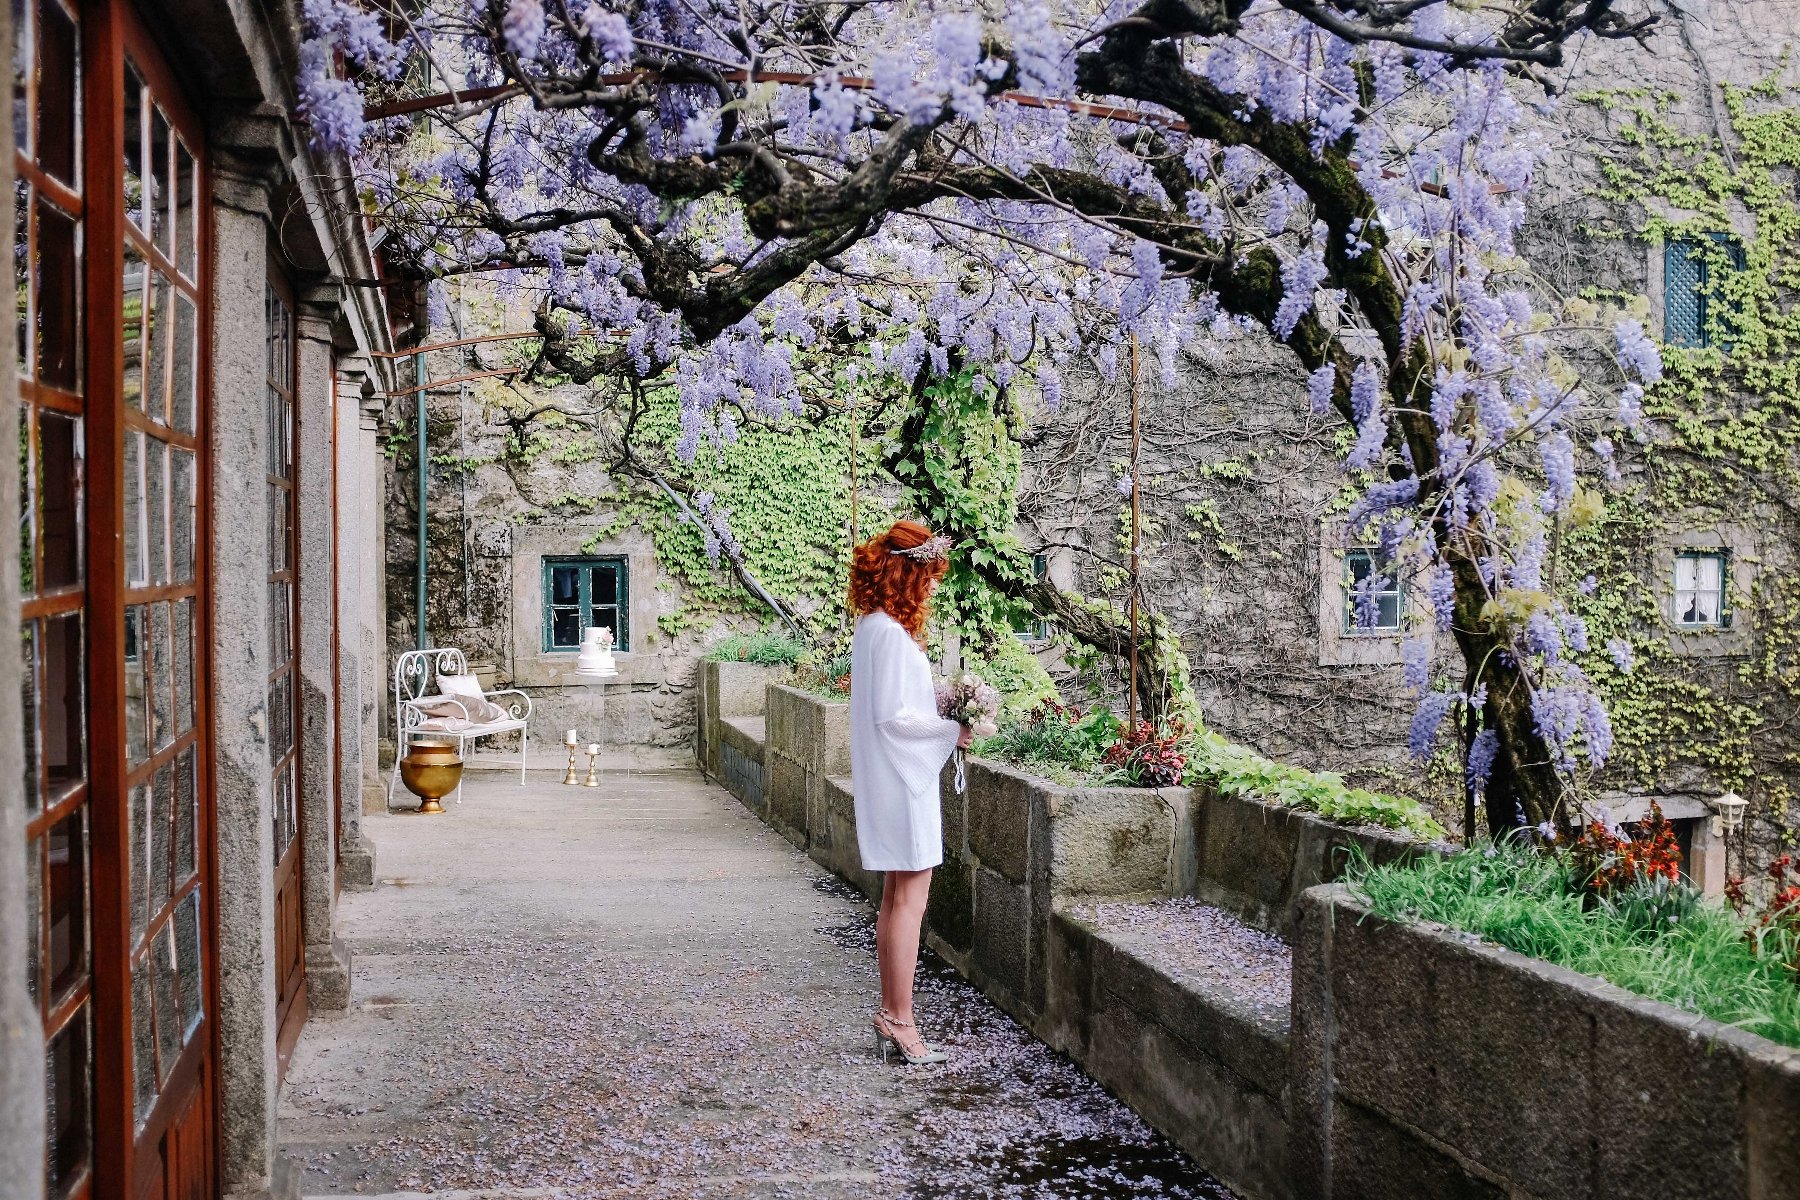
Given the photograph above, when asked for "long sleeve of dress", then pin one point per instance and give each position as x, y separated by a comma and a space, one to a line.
917, 740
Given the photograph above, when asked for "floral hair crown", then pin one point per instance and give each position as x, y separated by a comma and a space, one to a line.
932, 549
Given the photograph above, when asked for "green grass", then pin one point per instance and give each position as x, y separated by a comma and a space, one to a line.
764, 649
1238, 771
1525, 900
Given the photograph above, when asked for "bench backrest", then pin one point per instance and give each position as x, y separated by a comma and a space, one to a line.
416, 672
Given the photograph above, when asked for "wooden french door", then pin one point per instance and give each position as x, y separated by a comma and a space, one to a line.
284, 642
113, 325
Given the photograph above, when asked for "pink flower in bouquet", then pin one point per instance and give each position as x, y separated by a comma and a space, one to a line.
971, 701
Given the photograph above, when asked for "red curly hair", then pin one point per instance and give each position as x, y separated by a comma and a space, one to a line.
883, 581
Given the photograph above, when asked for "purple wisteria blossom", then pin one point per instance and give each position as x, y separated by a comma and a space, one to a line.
1427, 718
333, 108
1482, 751
1558, 456
1637, 353
1318, 388
1440, 590
1415, 658
1621, 653
1571, 717
610, 32
523, 26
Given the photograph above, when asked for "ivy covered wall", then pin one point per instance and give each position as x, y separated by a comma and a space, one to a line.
519, 470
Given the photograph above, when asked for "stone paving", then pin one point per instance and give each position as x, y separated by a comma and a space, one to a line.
640, 990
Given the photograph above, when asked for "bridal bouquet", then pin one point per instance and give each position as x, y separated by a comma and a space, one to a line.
972, 701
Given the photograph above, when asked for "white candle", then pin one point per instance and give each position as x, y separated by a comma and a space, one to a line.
569, 738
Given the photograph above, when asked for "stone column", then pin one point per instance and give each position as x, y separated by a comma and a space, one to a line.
375, 723
21, 1031
243, 793
356, 526
327, 959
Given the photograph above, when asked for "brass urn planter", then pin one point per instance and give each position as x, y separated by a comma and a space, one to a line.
431, 771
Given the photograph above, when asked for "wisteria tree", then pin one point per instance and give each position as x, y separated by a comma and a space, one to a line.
702, 189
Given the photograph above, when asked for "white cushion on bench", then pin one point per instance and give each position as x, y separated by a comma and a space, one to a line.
460, 685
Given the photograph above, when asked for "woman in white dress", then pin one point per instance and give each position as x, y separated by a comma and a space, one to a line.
898, 745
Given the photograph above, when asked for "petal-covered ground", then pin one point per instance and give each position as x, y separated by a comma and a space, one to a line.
1201, 947
642, 991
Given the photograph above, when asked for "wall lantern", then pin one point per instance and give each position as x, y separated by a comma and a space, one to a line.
1730, 809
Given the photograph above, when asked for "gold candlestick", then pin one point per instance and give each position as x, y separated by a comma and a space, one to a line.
569, 775
593, 775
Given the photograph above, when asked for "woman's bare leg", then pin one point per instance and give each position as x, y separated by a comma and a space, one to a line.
897, 925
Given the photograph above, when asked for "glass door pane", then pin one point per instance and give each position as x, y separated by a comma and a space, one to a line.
159, 597
51, 255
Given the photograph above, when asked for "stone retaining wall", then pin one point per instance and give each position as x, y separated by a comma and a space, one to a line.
727, 689
809, 741
1413, 1063
1427, 1064
1201, 1065
1257, 860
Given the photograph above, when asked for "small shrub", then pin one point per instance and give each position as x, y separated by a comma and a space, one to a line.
1055, 739
825, 676
1774, 929
765, 649
1150, 757
1651, 905
1606, 858
1016, 674
1238, 771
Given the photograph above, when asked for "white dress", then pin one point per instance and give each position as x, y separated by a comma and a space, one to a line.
898, 745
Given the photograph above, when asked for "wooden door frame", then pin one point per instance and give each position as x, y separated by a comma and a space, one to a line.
288, 1022
112, 30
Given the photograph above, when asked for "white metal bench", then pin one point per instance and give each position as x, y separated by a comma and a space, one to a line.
416, 675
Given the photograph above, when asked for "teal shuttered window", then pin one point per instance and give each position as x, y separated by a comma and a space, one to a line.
1692, 270
579, 592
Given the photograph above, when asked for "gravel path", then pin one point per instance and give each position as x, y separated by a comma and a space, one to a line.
1207, 947
647, 993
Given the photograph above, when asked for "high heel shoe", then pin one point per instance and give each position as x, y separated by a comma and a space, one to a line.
884, 1039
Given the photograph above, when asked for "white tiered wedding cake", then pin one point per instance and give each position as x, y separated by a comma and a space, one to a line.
596, 657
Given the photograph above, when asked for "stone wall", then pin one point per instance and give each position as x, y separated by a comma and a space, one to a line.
727, 689
1257, 860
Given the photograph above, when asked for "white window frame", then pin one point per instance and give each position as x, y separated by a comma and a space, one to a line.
1340, 644
1736, 545
1348, 581
1687, 599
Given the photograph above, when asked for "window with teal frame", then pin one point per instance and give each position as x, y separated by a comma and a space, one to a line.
1691, 299
580, 592
1026, 627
